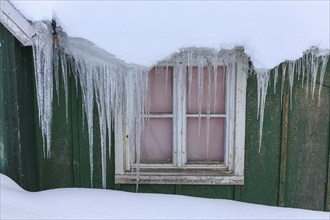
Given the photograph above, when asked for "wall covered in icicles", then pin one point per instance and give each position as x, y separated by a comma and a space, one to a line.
120, 89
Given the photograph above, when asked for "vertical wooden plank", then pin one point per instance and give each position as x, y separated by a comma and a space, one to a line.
2, 116
237, 195
308, 146
24, 69
285, 122
327, 203
40, 157
10, 119
17, 142
327, 200
261, 170
178, 189
209, 191
73, 111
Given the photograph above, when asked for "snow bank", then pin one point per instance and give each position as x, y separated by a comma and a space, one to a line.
74, 203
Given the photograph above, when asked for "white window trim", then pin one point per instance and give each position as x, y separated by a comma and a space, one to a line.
232, 173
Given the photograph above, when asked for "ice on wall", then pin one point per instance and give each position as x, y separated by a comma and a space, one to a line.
116, 87
119, 90
262, 86
43, 63
313, 63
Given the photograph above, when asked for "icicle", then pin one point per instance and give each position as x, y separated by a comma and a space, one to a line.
291, 66
190, 77
308, 72
166, 78
309, 64
43, 62
262, 78
299, 68
62, 59
208, 110
324, 59
103, 78
215, 86
99, 86
200, 90
303, 69
314, 68
224, 75
275, 78
284, 66
56, 72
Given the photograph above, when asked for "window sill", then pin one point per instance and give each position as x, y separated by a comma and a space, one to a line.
159, 178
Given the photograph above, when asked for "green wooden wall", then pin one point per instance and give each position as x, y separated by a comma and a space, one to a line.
291, 170
18, 157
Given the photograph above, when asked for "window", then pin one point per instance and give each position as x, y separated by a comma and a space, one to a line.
194, 130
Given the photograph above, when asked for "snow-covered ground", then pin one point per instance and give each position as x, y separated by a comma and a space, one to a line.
77, 203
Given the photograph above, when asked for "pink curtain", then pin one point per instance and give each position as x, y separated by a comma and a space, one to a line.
161, 90
157, 141
216, 102
197, 149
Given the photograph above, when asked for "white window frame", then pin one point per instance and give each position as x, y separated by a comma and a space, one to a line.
229, 173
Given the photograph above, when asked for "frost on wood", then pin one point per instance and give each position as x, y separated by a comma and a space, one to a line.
117, 88
312, 64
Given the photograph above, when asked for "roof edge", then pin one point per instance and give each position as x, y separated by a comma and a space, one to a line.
16, 23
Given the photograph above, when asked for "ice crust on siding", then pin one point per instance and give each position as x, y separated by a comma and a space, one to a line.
117, 88
313, 63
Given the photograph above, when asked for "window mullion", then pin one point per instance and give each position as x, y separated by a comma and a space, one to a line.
175, 117
183, 111
180, 105
227, 122
230, 115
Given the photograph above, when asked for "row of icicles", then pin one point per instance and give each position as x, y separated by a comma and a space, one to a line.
117, 88
120, 89
313, 63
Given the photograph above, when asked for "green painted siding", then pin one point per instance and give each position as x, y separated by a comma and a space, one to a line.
292, 168
308, 148
17, 134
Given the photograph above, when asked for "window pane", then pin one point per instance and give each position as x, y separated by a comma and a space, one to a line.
197, 149
161, 90
157, 141
215, 102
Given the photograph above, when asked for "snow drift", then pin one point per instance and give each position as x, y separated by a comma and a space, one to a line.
74, 203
